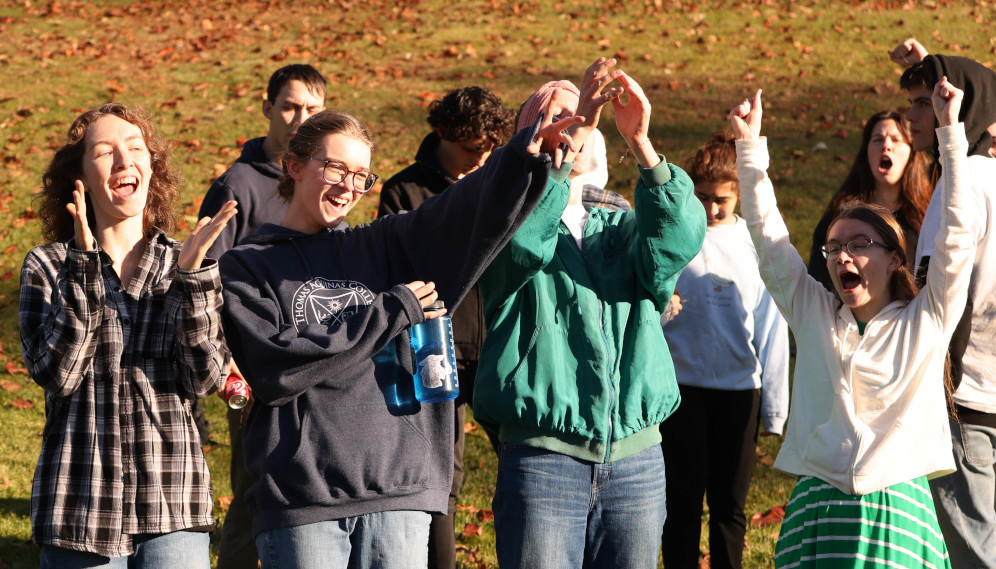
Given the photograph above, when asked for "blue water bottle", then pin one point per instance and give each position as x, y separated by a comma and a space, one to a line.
435, 358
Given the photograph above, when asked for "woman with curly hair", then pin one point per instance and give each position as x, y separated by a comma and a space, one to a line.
121, 326
886, 171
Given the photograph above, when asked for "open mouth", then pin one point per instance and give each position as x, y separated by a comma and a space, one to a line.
125, 186
337, 201
885, 164
849, 281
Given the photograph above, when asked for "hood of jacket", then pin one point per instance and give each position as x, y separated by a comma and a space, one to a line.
978, 108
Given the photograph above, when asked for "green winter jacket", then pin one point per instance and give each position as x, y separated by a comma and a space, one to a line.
575, 360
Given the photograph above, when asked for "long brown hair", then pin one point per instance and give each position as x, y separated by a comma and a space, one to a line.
310, 135
59, 179
914, 186
901, 284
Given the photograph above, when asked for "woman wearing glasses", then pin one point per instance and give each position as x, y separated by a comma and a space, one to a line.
868, 422
348, 466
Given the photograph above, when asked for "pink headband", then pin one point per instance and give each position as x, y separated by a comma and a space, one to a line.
540, 99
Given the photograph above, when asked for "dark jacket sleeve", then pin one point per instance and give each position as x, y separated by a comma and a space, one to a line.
452, 237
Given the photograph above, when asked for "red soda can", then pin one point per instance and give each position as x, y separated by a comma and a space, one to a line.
236, 392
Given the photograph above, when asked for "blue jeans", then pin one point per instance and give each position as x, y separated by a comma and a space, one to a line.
966, 499
557, 512
160, 551
382, 540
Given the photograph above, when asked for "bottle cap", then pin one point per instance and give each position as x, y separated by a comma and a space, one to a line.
438, 305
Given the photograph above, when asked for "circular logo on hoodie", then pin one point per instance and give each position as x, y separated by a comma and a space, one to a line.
327, 302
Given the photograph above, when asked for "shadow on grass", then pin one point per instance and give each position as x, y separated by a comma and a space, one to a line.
16, 551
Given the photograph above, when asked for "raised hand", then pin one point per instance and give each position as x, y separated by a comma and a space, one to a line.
426, 294
551, 135
633, 122
908, 52
746, 118
591, 100
947, 102
207, 230
77, 209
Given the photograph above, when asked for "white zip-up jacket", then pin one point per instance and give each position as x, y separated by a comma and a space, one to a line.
868, 411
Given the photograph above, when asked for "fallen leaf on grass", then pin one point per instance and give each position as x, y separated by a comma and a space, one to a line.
13, 368
771, 516
224, 502
472, 509
486, 515
469, 427
9, 385
472, 530
763, 457
22, 403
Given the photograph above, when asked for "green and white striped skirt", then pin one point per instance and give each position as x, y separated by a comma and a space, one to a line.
893, 528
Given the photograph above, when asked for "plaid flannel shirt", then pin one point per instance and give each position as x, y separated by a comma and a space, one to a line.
120, 453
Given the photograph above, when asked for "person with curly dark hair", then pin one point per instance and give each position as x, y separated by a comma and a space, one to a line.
121, 326
886, 171
467, 124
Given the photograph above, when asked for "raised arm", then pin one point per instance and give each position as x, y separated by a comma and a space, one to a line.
61, 308
908, 52
194, 305
782, 269
946, 288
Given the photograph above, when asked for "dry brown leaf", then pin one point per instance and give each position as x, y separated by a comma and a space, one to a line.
770, 516
224, 502
22, 403
9, 385
486, 515
469, 427
13, 368
472, 530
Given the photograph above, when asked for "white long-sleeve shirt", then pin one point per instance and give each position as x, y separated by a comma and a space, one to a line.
868, 410
977, 387
729, 334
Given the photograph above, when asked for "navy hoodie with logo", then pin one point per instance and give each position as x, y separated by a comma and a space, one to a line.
318, 325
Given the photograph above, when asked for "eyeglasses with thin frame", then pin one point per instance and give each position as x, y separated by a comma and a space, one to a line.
334, 172
857, 246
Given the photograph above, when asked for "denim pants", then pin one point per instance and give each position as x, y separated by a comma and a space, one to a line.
966, 499
557, 512
382, 540
187, 549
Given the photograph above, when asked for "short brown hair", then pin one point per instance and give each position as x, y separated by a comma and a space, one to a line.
311, 134
302, 72
716, 161
59, 179
471, 113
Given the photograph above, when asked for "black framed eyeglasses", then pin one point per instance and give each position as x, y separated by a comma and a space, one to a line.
334, 172
857, 246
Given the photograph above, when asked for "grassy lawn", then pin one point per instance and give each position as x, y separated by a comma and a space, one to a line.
202, 67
